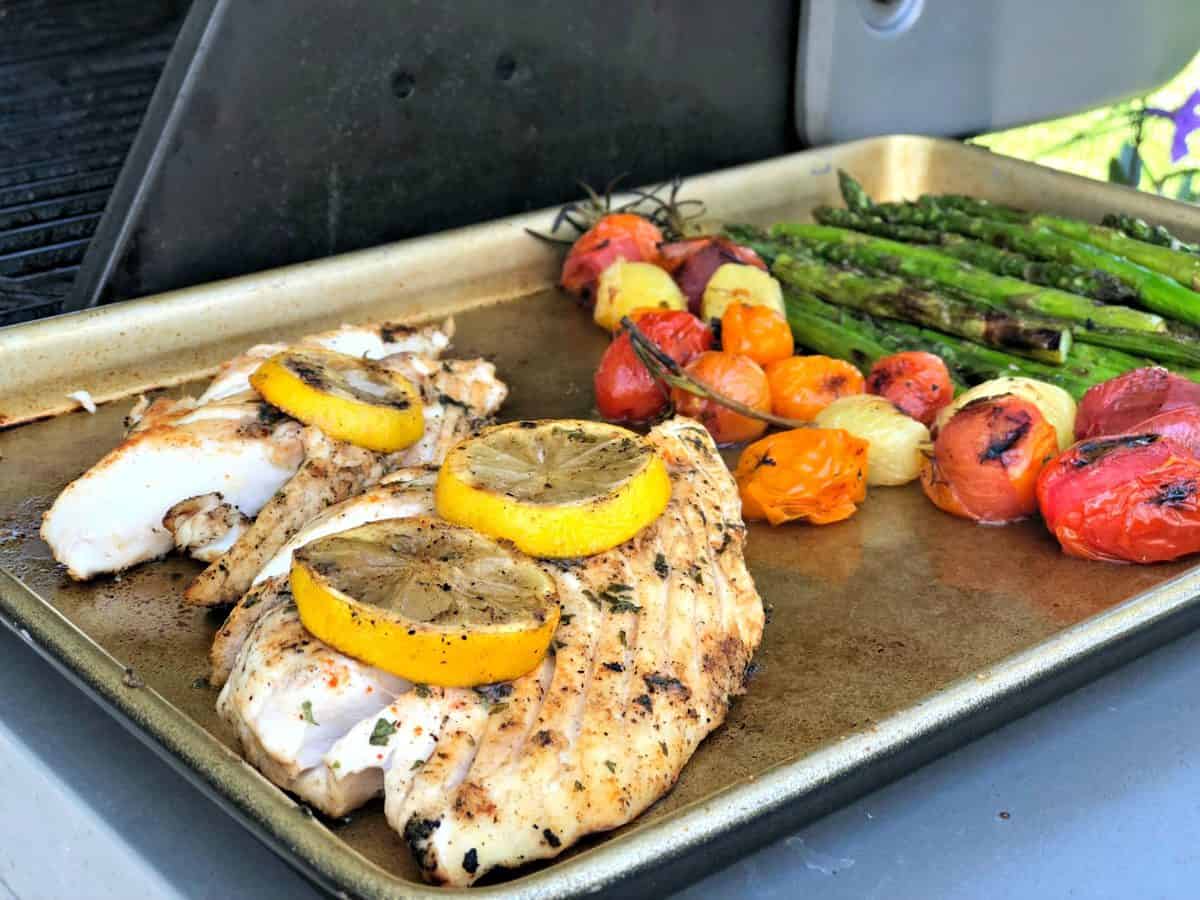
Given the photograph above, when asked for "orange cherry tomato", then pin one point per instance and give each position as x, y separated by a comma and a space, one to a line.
758, 332
986, 460
802, 386
816, 474
1129, 498
615, 236
917, 383
736, 377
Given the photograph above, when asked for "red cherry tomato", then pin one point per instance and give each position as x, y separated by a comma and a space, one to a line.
986, 460
1181, 425
1130, 498
615, 236
1118, 405
625, 390
917, 383
693, 262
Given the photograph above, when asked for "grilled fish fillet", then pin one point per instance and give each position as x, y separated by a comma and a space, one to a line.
111, 517
228, 443
458, 396
502, 776
404, 493
374, 341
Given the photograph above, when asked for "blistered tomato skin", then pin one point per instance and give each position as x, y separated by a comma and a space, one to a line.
1119, 405
815, 474
758, 332
1130, 498
615, 236
917, 383
802, 386
736, 377
986, 459
1181, 425
625, 390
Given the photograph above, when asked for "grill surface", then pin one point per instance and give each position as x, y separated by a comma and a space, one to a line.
75, 79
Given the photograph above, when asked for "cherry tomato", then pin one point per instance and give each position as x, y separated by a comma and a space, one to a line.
736, 377
1130, 498
986, 460
625, 390
917, 383
802, 386
1181, 425
693, 262
1117, 406
758, 332
615, 236
817, 474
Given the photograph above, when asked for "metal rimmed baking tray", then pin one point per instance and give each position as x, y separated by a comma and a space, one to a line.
891, 636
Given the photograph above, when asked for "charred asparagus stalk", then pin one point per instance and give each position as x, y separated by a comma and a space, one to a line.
1141, 230
840, 245
1156, 292
968, 362
892, 298
1176, 262
1065, 277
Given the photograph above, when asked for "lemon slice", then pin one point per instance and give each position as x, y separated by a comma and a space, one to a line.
557, 488
350, 399
427, 600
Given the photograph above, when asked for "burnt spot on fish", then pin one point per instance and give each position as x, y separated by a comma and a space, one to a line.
659, 683
1175, 493
447, 400
1090, 452
389, 332
551, 838
660, 566
470, 862
614, 667
645, 702
417, 832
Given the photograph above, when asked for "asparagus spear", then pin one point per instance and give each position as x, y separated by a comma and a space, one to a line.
968, 362
1142, 230
853, 194
1073, 279
1178, 262
894, 299
926, 262
833, 336
1156, 292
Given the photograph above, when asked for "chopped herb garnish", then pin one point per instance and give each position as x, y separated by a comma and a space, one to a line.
579, 785
617, 587
660, 566
566, 618
417, 763
336, 764
592, 598
662, 745
617, 607
610, 765
497, 708
382, 731
421, 690
621, 638
306, 711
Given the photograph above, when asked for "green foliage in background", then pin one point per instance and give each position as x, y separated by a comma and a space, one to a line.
1131, 142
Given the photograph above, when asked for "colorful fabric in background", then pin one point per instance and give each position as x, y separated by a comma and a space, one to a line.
1150, 142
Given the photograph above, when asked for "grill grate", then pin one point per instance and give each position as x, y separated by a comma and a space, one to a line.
75, 79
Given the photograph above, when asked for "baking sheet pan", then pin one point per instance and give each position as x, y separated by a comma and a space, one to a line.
891, 636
